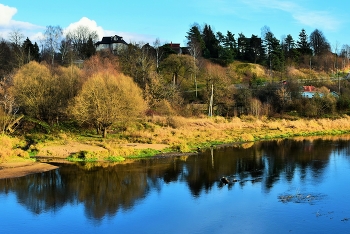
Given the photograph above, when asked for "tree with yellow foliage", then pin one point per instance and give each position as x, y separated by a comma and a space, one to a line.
43, 93
34, 89
107, 98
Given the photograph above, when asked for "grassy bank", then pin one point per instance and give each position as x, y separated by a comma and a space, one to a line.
178, 133
184, 134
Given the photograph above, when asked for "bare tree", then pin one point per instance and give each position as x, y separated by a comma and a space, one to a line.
137, 62
159, 54
284, 98
8, 108
52, 39
79, 38
195, 52
345, 53
16, 38
336, 65
66, 50
319, 42
264, 30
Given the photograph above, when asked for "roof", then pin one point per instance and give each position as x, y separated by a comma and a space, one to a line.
111, 40
175, 47
309, 88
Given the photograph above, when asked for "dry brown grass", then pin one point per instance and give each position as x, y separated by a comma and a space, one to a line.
9, 149
293, 72
185, 133
237, 70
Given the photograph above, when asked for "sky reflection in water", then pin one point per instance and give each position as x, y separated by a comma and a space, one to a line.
282, 186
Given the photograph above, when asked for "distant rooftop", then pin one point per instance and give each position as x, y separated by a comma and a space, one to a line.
111, 40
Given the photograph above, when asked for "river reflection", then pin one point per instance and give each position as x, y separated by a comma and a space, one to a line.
281, 168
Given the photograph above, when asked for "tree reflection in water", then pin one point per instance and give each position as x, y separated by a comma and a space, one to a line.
105, 189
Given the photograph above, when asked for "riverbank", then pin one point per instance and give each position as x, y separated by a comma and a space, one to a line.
58, 153
19, 169
161, 136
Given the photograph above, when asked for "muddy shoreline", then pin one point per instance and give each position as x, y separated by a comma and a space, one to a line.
19, 169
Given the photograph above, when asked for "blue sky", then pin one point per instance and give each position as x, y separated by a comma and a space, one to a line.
144, 21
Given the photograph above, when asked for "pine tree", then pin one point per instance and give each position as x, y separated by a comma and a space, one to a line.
194, 37
31, 52
211, 43
303, 43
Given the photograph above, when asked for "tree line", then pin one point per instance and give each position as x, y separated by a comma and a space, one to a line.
267, 50
215, 69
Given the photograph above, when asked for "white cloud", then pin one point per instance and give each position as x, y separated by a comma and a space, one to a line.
6, 21
86, 22
6, 14
92, 25
8, 25
129, 37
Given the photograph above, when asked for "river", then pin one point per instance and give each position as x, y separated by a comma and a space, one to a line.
281, 186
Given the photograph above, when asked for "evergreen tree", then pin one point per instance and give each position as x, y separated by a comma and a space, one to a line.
274, 52
31, 52
211, 43
289, 48
227, 47
289, 43
6, 58
230, 43
255, 50
303, 44
36, 54
242, 46
88, 49
194, 37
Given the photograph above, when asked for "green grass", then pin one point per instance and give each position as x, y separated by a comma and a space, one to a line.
145, 153
83, 156
115, 159
33, 153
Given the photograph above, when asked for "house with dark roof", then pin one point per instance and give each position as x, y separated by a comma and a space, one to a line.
113, 43
176, 48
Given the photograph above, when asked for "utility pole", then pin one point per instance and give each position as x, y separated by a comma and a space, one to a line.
336, 62
210, 114
310, 67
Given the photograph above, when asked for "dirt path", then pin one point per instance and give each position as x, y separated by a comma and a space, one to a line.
16, 169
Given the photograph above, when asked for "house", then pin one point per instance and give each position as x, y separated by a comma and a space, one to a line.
310, 91
175, 47
113, 43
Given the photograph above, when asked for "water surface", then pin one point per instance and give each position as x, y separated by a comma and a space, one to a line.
285, 186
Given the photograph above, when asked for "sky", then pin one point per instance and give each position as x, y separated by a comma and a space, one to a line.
140, 21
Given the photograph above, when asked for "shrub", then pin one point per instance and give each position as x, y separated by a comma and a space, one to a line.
176, 121
247, 137
83, 156
10, 147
